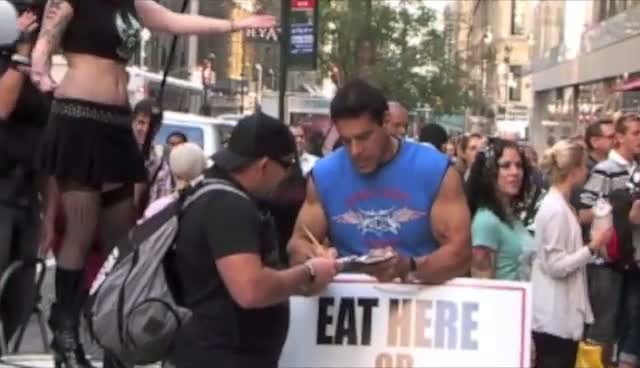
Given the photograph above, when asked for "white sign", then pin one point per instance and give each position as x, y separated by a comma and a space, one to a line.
360, 323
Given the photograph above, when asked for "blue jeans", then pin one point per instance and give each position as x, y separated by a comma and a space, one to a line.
605, 294
630, 333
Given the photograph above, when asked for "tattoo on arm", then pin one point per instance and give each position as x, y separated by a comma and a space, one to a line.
57, 15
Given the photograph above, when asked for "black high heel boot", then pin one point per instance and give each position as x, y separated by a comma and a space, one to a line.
66, 347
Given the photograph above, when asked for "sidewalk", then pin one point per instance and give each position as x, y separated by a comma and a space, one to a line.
42, 361
31, 361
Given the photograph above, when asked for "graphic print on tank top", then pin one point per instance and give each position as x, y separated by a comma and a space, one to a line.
379, 216
129, 29
379, 222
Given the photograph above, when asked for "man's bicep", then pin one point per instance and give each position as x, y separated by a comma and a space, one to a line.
241, 285
312, 215
450, 216
232, 225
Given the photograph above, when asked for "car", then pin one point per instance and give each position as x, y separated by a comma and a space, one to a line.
230, 117
209, 133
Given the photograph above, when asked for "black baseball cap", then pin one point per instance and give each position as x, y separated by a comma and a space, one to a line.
254, 137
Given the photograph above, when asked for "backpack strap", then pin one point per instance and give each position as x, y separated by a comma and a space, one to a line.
209, 185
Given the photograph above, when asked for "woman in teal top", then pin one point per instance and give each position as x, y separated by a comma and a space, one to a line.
498, 183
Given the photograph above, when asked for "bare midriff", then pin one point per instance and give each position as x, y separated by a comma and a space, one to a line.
95, 79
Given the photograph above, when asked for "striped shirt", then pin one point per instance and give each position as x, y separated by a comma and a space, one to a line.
607, 176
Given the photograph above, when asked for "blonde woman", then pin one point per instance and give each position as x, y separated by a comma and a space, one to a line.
560, 301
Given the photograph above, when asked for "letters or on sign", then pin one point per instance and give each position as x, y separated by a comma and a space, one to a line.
303, 34
267, 35
301, 39
358, 323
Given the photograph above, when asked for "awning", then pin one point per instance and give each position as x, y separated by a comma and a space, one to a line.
632, 85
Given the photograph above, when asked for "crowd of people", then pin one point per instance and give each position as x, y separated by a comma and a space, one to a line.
542, 222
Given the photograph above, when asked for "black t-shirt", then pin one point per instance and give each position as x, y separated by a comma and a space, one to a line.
221, 332
285, 205
20, 139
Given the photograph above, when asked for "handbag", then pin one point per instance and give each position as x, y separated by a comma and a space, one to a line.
589, 356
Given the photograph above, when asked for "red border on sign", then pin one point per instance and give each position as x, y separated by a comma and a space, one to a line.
522, 290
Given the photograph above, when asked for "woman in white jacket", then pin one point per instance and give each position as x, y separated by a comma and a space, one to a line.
560, 301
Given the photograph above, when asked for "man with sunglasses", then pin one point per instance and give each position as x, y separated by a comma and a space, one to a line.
599, 138
227, 263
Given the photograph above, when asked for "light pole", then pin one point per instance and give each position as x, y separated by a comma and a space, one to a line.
259, 86
507, 73
272, 77
487, 39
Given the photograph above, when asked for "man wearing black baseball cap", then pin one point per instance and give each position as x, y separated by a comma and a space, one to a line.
258, 137
227, 262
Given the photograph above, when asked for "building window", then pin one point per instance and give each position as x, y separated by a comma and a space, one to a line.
517, 17
515, 85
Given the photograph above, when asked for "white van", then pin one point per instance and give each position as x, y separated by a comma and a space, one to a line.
209, 133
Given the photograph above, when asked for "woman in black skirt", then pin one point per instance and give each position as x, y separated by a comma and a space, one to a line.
88, 145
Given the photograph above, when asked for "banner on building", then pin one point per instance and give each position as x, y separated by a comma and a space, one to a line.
360, 323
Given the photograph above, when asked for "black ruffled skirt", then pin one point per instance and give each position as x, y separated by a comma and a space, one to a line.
90, 144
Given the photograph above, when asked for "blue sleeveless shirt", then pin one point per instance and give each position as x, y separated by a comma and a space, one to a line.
389, 207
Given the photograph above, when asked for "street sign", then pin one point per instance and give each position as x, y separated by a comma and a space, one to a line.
303, 34
301, 39
303, 4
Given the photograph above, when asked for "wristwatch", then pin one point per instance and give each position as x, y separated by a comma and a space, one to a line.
413, 266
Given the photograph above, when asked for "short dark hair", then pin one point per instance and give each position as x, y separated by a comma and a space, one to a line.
435, 134
595, 130
357, 98
149, 107
178, 134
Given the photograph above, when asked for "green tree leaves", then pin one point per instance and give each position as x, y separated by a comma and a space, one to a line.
412, 63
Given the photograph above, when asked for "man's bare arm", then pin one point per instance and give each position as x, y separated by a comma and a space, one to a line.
451, 225
313, 217
57, 15
258, 286
483, 264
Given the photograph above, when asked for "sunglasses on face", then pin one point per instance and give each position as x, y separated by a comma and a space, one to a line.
285, 162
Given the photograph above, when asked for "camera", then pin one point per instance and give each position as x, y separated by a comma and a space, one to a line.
8, 24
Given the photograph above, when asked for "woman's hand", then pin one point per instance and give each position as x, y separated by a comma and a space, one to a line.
255, 21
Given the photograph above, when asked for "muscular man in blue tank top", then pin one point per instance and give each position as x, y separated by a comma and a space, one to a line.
378, 191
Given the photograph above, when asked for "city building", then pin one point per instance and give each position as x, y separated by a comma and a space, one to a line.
243, 63
492, 44
582, 58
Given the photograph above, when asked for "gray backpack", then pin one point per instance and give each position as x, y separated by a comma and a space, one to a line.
132, 311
